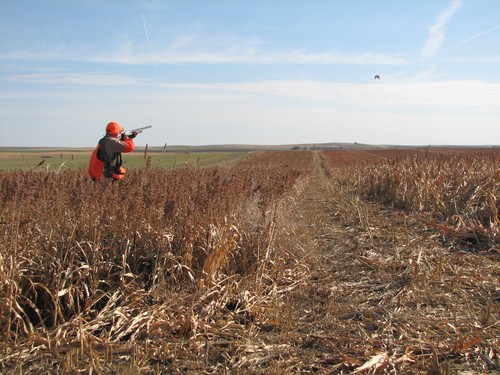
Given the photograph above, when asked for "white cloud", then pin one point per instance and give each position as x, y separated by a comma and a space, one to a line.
376, 96
249, 56
424, 75
266, 112
436, 35
475, 36
187, 49
77, 79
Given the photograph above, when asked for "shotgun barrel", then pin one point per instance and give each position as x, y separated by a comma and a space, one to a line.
138, 130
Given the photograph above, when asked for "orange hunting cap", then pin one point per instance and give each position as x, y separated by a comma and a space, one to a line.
113, 128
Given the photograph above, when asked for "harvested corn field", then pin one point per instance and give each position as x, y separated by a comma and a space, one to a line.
328, 262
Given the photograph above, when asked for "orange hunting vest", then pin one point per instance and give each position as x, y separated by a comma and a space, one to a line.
103, 165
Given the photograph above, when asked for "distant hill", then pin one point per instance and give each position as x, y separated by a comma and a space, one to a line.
250, 148
299, 146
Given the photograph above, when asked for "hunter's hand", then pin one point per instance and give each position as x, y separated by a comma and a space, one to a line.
132, 135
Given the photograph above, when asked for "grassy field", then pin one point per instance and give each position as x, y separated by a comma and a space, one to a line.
70, 159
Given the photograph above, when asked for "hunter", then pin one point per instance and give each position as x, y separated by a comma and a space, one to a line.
106, 160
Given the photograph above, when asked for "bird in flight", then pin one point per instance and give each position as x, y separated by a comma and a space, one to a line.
376, 77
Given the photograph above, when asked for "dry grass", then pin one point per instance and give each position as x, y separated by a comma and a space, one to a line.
288, 262
165, 264
405, 298
458, 193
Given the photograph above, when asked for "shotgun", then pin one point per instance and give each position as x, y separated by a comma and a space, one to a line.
128, 133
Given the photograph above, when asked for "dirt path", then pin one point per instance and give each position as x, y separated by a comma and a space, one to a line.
383, 292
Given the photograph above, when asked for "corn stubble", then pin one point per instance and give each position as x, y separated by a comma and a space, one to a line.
458, 193
143, 273
419, 238
196, 269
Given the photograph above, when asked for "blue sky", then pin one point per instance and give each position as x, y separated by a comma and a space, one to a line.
250, 72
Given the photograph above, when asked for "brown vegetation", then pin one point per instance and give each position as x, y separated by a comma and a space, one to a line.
304, 261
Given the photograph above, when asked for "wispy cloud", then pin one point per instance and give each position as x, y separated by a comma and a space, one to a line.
250, 57
77, 79
145, 29
451, 112
128, 55
424, 75
435, 94
437, 31
190, 49
341, 95
475, 36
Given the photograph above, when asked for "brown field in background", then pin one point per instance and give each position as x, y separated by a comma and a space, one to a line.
311, 261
